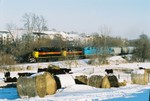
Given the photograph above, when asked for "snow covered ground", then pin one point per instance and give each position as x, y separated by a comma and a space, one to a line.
81, 93
78, 92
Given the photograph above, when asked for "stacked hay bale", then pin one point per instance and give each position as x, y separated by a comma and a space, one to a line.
51, 66
110, 81
82, 79
113, 81
95, 81
54, 70
139, 77
40, 84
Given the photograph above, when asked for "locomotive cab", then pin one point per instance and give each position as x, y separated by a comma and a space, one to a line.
45, 54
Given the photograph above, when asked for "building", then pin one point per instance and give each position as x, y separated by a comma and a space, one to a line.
5, 37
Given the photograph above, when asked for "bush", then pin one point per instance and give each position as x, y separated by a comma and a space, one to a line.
13, 68
10, 68
7, 59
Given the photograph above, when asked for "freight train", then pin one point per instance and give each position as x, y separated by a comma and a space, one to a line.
53, 54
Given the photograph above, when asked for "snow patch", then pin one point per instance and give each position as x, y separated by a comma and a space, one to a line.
138, 71
66, 80
116, 60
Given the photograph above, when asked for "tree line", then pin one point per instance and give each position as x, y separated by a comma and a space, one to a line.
10, 52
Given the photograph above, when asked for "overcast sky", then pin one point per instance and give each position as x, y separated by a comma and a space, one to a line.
125, 18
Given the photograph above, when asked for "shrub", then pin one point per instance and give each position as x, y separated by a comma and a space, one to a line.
7, 59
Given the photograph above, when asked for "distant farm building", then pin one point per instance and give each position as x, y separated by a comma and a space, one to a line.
5, 37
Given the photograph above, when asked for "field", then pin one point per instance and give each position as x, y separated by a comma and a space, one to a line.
80, 92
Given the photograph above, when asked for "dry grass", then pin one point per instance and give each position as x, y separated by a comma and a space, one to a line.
10, 68
141, 79
6, 59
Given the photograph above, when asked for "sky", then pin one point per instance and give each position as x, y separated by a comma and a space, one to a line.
124, 18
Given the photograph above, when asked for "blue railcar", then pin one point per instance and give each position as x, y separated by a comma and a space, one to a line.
89, 51
92, 51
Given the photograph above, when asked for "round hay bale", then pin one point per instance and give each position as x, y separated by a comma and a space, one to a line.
105, 83
26, 87
139, 77
148, 71
82, 79
124, 83
51, 66
65, 80
113, 81
95, 81
45, 83
40, 84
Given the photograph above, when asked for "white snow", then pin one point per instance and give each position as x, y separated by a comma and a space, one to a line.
87, 93
138, 72
66, 80
116, 60
37, 74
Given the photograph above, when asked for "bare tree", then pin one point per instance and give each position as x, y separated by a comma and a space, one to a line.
58, 41
33, 23
100, 42
142, 48
10, 27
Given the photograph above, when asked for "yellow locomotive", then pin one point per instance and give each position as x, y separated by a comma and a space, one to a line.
52, 54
